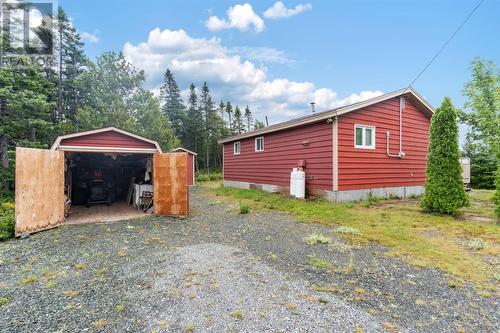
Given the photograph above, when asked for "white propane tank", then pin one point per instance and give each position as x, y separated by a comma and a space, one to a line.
292, 182
299, 183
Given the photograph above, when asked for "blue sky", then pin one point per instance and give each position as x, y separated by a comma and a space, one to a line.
324, 50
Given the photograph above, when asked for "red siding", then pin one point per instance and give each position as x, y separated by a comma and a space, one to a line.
365, 168
282, 151
106, 139
190, 166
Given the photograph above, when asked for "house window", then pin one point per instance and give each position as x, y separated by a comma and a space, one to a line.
236, 148
364, 137
259, 144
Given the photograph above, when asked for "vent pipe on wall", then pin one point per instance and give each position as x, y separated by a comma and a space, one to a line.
401, 153
313, 104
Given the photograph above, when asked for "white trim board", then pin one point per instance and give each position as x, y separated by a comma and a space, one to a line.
57, 143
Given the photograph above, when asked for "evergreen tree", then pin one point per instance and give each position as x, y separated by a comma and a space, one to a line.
173, 106
209, 113
444, 189
25, 111
258, 124
195, 123
229, 111
483, 163
222, 109
71, 62
248, 118
238, 126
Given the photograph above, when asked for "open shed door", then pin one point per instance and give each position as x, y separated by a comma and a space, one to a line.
170, 187
39, 189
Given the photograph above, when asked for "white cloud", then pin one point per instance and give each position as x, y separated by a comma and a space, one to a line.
229, 75
241, 17
88, 37
279, 10
262, 54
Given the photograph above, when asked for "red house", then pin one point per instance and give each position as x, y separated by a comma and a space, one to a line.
377, 146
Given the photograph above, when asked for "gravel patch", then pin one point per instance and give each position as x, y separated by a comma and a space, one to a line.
218, 271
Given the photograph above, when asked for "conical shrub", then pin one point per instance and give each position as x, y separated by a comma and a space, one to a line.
444, 188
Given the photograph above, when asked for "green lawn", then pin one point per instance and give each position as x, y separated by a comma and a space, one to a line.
422, 239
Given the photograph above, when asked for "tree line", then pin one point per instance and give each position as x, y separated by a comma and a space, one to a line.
76, 94
200, 123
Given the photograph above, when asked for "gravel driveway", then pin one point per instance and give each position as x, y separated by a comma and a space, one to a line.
218, 271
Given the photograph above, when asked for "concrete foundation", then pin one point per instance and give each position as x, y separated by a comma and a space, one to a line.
338, 196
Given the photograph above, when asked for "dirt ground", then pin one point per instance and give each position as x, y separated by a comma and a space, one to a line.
219, 271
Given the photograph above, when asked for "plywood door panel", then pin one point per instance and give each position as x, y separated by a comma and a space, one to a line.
39, 189
170, 189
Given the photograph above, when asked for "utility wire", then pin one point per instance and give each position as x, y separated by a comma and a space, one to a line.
444, 45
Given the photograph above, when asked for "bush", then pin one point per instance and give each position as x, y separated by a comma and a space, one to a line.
244, 208
444, 189
7, 220
204, 177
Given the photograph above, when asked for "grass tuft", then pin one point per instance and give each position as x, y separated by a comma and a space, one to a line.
347, 230
244, 208
189, 328
238, 314
317, 239
320, 263
3, 300
476, 244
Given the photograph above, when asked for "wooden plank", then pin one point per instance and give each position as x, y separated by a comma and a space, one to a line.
39, 190
170, 189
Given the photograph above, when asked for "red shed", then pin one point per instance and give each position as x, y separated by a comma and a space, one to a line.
377, 146
191, 164
99, 175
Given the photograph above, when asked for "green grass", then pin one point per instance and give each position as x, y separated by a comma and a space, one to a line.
421, 239
244, 208
320, 263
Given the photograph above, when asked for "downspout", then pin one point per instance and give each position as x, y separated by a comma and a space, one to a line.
401, 153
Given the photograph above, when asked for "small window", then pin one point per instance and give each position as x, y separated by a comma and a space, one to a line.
259, 144
364, 137
236, 148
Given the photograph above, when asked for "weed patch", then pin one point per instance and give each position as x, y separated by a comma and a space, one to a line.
317, 239
476, 245
347, 230
244, 208
421, 239
320, 263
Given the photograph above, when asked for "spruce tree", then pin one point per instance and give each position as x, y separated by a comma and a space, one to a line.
258, 124
195, 124
248, 118
222, 107
173, 106
238, 126
444, 188
71, 63
229, 111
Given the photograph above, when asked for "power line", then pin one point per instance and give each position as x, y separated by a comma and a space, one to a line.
444, 45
